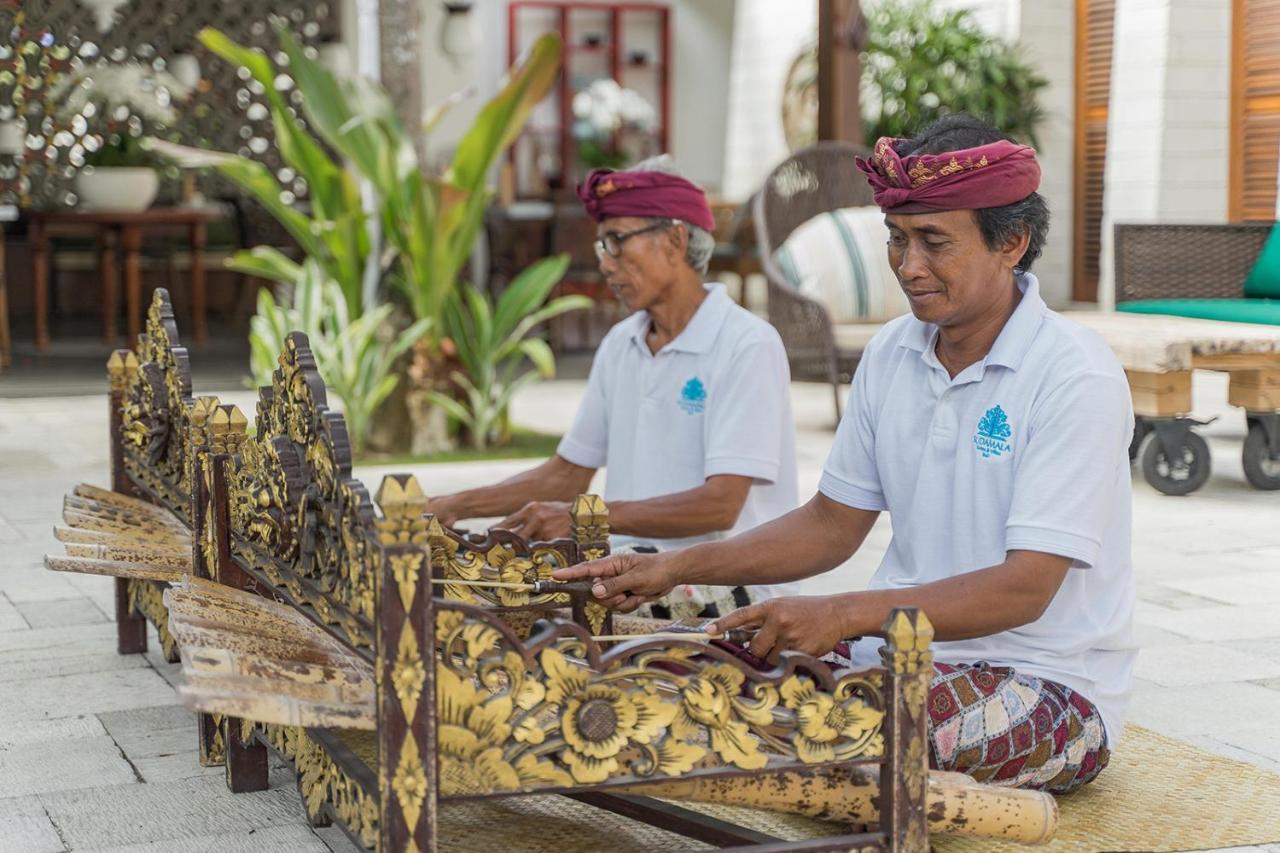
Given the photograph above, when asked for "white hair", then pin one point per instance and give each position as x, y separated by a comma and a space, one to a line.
701, 241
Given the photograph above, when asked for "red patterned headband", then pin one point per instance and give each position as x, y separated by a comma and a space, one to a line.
970, 179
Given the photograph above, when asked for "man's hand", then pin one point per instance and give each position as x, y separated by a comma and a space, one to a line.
446, 509
809, 624
625, 581
540, 520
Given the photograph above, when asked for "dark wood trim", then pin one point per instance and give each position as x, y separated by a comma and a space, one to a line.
131, 627
677, 819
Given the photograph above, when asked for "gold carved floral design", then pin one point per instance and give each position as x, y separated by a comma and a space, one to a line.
297, 516
409, 673
513, 717
915, 768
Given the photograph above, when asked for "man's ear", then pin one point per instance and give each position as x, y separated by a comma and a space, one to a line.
678, 240
1014, 248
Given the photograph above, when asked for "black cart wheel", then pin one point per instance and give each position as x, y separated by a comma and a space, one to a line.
1181, 475
1261, 469
1141, 429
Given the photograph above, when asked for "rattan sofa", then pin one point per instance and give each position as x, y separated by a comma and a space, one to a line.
1182, 262
814, 180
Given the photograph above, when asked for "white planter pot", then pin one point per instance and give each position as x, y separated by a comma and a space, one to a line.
127, 188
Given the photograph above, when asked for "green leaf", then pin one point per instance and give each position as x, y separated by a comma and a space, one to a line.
540, 354
265, 262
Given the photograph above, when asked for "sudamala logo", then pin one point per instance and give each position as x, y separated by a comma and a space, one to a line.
693, 398
992, 437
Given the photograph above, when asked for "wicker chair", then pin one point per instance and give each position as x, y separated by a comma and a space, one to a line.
811, 181
1186, 261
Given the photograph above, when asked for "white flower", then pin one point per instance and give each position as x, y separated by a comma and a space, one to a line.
606, 107
146, 93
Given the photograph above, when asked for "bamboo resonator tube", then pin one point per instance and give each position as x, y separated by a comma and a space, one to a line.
956, 803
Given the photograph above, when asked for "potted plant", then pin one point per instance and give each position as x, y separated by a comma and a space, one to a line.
113, 105
602, 110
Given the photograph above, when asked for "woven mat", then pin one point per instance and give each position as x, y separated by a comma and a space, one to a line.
1159, 794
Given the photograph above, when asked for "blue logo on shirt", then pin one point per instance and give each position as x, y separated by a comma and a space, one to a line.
693, 399
992, 437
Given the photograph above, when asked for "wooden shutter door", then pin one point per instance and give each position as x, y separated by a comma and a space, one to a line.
1255, 109
1095, 20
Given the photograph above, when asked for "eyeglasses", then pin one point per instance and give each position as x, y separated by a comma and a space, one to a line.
611, 243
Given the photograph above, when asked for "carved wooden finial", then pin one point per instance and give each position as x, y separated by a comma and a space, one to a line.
400, 495
121, 367
908, 634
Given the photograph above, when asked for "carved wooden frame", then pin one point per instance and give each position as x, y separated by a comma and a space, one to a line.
289, 520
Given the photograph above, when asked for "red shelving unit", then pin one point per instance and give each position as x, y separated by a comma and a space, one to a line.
601, 40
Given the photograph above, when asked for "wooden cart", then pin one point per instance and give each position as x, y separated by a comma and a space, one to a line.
1159, 354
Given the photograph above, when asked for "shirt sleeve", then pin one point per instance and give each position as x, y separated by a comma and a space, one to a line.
748, 412
587, 441
851, 476
1076, 451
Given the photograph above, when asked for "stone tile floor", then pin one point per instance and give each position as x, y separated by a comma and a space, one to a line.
97, 754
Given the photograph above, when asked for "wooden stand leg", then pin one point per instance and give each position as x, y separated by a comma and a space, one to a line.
110, 283
131, 238
407, 772
40, 263
246, 760
131, 627
903, 783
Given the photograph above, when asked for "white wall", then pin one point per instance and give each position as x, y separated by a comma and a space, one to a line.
767, 36
1168, 125
701, 37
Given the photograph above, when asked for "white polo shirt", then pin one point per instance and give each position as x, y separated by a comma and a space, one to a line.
716, 400
1025, 450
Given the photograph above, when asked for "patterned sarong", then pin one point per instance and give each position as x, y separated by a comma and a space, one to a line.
1005, 728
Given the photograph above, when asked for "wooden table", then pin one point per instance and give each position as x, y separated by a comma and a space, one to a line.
8, 213
123, 229
1159, 354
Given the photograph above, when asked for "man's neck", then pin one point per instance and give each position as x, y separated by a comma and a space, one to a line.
669, 316
965, 344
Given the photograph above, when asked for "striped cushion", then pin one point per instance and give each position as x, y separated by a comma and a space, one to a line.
839, 259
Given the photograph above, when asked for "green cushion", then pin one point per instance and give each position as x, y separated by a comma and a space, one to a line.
1266, 311
1263, 281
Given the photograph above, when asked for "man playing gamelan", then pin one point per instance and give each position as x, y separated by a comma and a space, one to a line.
687, 406
994, 432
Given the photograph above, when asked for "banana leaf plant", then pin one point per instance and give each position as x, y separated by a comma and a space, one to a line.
494, 347
430, 222
334, 229
354, 354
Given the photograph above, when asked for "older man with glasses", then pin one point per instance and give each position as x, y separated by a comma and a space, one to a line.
687, 406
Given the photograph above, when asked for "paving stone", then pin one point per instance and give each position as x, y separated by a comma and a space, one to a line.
143, 742
49, 643
60, 613
1149, 636
290, 838
134, 729
1211, 710
34, 582
183, 810
25, 828
45, 731
10, 617
36, 768
1247, 588
1219, 624
336, 841
8, 533
1202, 663
180, 765
1218, 747
1172, 599
104, 661
85, 693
